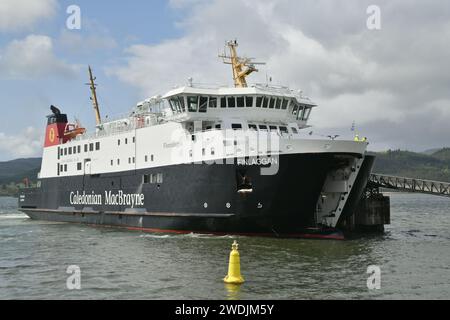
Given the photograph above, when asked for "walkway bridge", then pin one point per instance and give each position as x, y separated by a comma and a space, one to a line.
436, 188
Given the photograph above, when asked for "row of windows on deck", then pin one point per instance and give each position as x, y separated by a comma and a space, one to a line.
133, 160
77, 149
87, 148
202, 103
126, 141
63, 167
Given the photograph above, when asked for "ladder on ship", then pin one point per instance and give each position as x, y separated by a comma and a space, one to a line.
437, 188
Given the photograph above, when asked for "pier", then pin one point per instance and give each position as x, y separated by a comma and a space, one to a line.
437, 188
373, 210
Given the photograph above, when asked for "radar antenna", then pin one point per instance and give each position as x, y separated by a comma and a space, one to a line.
93, 86
242, 67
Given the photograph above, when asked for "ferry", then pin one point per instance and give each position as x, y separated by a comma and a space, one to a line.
204, 159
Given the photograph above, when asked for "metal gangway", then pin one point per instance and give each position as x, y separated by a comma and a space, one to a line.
409, 184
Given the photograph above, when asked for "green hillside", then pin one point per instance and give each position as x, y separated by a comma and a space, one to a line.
414, 165
442, 154
13, 173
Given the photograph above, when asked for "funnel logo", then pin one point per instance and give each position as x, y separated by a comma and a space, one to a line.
51, 135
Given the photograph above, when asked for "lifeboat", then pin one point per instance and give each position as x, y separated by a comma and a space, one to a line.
72, 131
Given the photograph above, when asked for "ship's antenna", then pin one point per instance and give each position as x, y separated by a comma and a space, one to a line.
93, 86
242, 67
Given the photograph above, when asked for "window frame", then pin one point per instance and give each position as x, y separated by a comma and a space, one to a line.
278, 103
190, 103
247, 98
272, 102
243, 101
222, 100
200, 109
265, 102
212, 104
259, 101
231, 99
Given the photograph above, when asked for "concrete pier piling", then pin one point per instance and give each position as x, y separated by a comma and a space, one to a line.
372, 213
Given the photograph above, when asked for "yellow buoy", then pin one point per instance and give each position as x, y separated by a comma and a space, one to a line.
234, 267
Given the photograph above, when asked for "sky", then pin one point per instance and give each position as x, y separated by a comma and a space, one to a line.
393, 82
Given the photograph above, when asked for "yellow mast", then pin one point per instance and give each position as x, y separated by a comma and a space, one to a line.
242, 67
93, 85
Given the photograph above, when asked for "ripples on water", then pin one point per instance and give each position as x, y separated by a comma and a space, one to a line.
413, 255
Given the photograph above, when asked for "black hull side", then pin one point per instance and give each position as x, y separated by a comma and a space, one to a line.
194, 198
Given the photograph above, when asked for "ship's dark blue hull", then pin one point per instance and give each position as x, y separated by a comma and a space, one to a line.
195, 198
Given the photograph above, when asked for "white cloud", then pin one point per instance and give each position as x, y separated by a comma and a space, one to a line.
32, 57
17, 15
322, 47
28, 143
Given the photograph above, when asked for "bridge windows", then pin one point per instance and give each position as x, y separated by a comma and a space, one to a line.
213, 102
259, 102
252, 127
203, 104
272, 102
301, 109
248, 102
175, 105
263, 128
302, 113
295, 111
265, 102
284, 130
181, 103
307, 113
236, 126
278, 103
240, 102
192, 102
231, 102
